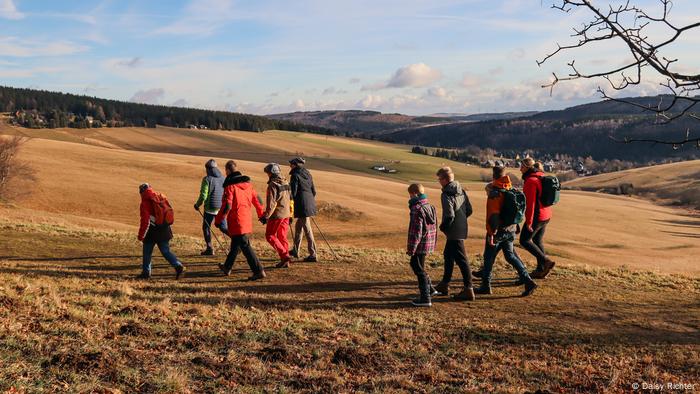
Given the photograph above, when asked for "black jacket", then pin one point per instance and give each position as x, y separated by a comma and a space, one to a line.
303, 192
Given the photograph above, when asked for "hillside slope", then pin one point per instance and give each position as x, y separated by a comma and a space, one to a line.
676, 183
80, 182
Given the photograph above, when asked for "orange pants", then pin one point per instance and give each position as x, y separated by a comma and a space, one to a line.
276, 235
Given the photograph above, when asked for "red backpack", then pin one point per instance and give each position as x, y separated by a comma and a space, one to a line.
162, 210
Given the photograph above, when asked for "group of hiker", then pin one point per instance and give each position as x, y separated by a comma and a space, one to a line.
506, 208
229, 202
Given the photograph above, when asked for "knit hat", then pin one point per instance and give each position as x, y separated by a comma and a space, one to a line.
211, 164
297, 161
273, 168
143, 187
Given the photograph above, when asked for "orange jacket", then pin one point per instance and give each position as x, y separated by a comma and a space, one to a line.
494, 202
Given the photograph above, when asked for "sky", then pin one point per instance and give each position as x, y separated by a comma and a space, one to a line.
416, 57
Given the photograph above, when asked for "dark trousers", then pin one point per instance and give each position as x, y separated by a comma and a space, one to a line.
455, 253
532, 242
206, 228
503, 242
424, 284
241, 243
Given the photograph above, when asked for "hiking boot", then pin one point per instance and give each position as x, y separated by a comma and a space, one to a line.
260, 275
207, 252
548, 265
442, 289
519, 282
311, 259
478, 274
433, 291
536, 274
283, 264
223, 269
465, 295
418, 302
529, 288
483, 290
294, 253
144, 276
179, 271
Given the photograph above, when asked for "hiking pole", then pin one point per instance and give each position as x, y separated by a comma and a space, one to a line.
325, 239
213, 233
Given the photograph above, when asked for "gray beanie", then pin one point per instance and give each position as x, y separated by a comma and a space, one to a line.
143, 187
211, 164
298, 161
273, 168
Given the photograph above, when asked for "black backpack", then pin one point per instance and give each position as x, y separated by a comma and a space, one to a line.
513, 209
550, 190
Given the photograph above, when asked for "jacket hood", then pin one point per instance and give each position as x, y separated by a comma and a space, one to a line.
428, 211
277, 180
236, 178
147, 194
532, 173
453, 188
503, 183
301, 172
214, 172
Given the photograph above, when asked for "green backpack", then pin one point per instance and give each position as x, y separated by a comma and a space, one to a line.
550, 190
513, 209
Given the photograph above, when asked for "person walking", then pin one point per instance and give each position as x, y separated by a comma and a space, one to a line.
277, 212
156, 218
234, 219
303, 193
537, 217
456, 208
501, 225
211, 192
422, 236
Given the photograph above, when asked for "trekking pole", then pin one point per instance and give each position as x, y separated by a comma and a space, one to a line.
325, 239
212, 231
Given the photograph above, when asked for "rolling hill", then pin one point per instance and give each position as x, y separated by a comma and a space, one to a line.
674, 184
72, 318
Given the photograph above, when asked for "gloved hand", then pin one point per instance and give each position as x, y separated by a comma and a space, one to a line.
223, 226
443, 227
291, 220
196, 207
263, 220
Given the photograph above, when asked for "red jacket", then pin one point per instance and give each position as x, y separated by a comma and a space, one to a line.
239, 198
148, 231
533, 191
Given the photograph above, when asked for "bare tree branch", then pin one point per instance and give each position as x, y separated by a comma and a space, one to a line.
613, 24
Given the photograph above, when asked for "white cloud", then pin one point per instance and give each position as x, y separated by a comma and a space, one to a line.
150, 96
201, 18
8, 10
15, 47
370, 101
180, 103
414, 76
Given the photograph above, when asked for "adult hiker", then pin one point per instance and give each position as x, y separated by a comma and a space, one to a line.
304, 195
277, 211
210, 193
422, 234
234, 219
456, 208
156, 218
504, 212
537, 216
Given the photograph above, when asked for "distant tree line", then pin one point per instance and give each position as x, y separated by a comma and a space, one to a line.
43, 109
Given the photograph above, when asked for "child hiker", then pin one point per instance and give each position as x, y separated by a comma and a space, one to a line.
422, 235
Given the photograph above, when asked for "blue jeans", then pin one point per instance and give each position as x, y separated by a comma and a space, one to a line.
504, 242
164, 250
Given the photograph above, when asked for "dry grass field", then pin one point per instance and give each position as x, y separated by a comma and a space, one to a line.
622, 307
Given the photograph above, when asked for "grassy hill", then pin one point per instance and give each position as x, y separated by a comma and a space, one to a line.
675, 184
72, 319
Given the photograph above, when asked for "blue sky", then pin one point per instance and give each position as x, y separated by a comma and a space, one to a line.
270, 56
